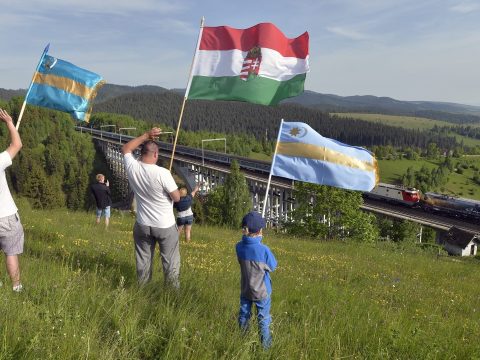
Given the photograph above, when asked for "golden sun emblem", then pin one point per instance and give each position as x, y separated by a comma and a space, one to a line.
295, 131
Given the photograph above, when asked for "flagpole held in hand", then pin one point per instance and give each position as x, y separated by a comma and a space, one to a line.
31, 83
270, 174
202, 22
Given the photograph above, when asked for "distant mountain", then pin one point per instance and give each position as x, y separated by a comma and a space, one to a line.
110, 91
451, 112
106, 92
382, 105
7, 94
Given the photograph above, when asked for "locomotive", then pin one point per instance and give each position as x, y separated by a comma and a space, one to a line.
432, 202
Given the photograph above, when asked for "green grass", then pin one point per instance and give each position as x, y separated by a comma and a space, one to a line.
391, 171
331, 300
260, 156
462, 185
407, 122
410, 122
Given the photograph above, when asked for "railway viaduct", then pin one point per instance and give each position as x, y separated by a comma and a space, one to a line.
280, 201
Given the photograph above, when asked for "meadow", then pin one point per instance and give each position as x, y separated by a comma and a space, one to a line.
410, 122
391, 172
407, 122
331, 300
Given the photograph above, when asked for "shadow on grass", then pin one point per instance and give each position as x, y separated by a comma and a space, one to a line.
112, 269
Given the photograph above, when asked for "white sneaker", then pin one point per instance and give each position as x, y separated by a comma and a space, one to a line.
18, 288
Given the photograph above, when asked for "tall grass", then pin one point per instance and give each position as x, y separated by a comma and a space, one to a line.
330, 299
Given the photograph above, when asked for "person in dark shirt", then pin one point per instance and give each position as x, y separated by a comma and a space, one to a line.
101, 192
184, 211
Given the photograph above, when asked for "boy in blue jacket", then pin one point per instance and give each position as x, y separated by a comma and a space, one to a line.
256, 262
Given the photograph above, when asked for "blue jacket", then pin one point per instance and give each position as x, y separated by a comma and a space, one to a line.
184, 203
256, 262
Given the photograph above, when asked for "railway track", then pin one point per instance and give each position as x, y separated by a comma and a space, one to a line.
398, 211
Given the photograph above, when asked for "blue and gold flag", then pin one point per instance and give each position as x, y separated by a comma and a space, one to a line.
305, 155
63, 86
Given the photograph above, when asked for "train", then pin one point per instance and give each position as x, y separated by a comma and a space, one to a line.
429, 201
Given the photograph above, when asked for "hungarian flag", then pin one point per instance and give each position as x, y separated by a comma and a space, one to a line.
258, 65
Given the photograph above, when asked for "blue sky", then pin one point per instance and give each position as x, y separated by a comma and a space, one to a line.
405, 49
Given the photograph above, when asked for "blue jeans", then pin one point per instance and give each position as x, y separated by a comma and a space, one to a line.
105, 212
263, 317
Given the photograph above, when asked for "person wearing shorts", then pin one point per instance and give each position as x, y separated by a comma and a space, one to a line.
184, 212
11, 230
101, 192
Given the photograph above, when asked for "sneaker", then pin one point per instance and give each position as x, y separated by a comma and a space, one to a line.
18, 288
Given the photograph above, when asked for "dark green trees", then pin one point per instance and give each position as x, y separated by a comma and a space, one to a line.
227, 204
55, 166
326, 212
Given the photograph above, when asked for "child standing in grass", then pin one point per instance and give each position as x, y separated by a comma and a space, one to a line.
256, 262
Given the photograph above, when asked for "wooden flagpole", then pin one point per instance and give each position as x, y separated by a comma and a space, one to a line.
30, 87
202, 22
270, 174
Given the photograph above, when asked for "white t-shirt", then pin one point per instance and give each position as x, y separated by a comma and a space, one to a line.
152, 186
7, 205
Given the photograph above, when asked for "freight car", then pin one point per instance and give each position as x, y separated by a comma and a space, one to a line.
452, 206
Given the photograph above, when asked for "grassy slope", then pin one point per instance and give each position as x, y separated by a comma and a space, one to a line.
409, 122
391, 172
330, 300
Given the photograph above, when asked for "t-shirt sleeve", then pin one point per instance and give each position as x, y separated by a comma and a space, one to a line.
168, 182
129, 161
5, 160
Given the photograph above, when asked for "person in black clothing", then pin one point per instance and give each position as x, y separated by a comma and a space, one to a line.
184, 211
101, 192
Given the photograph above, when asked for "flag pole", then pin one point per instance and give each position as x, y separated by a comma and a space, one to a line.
273, 164
31, 83
202, 22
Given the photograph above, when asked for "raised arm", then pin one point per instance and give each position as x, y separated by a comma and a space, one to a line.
134, 143
16, 143
194, 192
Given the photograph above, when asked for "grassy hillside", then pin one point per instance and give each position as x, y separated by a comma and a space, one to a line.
409, 122
463, 185
406, 122
330, 299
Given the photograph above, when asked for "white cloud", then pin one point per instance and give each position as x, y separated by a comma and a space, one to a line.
175, 26
348, 33
119, 7
465, 7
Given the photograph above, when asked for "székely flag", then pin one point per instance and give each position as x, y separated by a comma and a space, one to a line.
258, 65
305, 155
62, 86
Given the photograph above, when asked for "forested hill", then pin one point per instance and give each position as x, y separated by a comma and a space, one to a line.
237, 117
451, 112
7, 94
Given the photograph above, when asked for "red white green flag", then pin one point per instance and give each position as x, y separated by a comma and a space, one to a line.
258, 65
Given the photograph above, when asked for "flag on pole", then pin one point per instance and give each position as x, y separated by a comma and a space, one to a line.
258, 65
305, 155
63, 86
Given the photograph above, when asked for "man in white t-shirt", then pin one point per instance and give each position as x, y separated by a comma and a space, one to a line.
11, 230
155, 191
